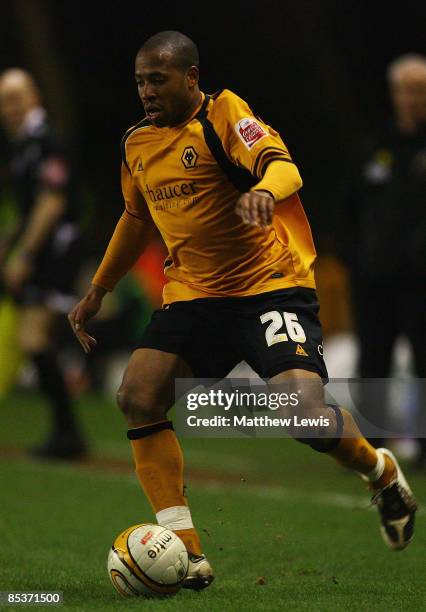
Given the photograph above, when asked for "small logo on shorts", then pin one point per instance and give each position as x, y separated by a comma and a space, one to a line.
301, 351
320, 349
277, 275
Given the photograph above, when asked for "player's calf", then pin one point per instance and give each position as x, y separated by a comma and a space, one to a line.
146, 394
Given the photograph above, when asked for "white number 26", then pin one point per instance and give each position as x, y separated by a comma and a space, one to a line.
277, 321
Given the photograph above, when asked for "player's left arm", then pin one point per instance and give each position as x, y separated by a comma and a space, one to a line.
48, 208
280, 181
252, 144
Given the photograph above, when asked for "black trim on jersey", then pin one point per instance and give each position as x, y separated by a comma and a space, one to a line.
126, 136
265, 152
241, 178
274, 158
203, 110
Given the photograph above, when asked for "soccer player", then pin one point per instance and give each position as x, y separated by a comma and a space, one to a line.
221, 187
39, 259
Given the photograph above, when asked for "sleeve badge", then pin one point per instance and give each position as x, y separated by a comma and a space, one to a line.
250, 131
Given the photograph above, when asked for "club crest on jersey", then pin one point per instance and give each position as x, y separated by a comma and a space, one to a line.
189, 157
140, 165
250, 131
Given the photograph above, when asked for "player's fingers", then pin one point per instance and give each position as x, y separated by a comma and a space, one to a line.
253, 209
86, 348
260, 218
72, 316
256, 214
239, 209
263, 213
241, 212
74, 322
271, 208
250, 208
243, 209
86, 337
86, 341
77, 318
264, 203
266, 208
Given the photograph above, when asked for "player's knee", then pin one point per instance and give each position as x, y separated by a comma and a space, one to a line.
138, 406
131, 402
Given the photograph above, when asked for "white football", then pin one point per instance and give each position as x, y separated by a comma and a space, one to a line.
147, 560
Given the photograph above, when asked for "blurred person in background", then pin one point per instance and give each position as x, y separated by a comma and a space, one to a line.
39, 259
388, 225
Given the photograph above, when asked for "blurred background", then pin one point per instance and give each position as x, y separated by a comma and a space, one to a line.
315, 71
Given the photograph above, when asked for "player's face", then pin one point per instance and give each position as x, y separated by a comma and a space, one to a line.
409, 96
168, 92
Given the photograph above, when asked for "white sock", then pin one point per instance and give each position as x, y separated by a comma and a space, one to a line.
378, 470
175, 518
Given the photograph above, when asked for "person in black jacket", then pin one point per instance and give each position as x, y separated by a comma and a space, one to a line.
39, 260
388, 217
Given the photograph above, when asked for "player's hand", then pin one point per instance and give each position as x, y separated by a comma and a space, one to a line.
256, 208
16, 272
87, 308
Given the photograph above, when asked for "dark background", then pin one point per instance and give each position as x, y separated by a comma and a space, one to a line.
313, 70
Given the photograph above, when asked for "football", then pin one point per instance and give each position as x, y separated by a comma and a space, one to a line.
147, 560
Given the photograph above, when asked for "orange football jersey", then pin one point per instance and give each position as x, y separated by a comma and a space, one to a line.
170, 174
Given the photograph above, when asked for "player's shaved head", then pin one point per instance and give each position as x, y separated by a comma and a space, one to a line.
182, 51
17, 79
409, 65
18, 95
407, 80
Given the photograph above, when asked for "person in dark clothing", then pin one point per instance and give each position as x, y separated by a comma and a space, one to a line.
388, 217
40, 259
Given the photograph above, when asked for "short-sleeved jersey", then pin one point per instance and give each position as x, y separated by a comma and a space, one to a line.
171, 174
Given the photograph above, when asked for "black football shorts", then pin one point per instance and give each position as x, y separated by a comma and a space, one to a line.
272, 332
55, 271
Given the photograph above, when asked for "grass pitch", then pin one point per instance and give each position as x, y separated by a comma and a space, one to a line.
284, 527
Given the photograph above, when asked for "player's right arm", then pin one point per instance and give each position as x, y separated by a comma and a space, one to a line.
131, 235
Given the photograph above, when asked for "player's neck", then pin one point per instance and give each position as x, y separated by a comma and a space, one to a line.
195, 104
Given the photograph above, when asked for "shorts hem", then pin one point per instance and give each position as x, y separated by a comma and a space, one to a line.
295, 365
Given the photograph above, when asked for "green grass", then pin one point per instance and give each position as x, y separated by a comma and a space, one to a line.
269, 508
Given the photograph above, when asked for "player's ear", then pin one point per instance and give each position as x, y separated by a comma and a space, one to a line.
192, 76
